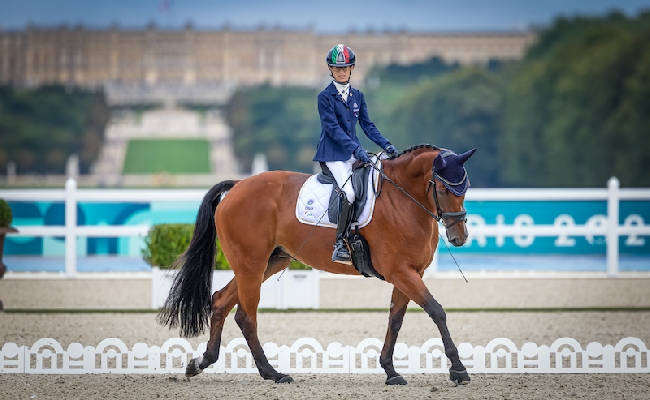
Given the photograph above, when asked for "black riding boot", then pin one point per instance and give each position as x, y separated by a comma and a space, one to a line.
341, 253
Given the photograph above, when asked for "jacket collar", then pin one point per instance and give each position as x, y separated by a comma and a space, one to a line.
331, 89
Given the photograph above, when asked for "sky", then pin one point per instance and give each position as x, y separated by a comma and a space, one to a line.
321, 16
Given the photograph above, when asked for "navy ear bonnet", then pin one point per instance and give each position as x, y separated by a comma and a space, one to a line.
449, 168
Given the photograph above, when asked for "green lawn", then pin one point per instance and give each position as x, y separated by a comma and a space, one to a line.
172, 156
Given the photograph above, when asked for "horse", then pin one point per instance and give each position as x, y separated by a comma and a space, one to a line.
255, 223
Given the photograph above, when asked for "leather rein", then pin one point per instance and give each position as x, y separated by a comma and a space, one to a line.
456, 216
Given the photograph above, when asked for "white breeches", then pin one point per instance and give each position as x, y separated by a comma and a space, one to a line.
342, 170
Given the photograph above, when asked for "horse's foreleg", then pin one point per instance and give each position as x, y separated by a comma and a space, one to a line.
246, 318
410, 283
398, 304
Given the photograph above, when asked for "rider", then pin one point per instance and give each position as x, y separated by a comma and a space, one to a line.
340, 106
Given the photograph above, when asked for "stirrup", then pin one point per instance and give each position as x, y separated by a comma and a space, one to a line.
341, 253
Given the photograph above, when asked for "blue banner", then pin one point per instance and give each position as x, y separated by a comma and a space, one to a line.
480, 213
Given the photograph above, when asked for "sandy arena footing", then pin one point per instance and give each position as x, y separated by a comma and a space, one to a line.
346, 327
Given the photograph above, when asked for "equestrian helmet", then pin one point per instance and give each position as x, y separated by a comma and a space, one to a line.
340, 56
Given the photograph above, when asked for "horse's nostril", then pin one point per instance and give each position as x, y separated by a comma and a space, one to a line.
456, 241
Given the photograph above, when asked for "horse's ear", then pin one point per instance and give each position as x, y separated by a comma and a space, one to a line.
439, 163
465, 156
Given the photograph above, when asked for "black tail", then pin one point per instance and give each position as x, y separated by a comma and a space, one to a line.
188, 305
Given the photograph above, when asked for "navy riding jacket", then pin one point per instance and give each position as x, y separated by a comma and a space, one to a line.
338, 137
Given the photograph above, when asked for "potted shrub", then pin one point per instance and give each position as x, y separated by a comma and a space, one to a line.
165, 242
6, 217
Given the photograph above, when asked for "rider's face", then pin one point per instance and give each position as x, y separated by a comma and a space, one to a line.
342, 74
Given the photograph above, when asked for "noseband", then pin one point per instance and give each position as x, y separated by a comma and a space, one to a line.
456, 216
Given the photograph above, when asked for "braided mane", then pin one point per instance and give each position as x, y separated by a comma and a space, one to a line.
418, 147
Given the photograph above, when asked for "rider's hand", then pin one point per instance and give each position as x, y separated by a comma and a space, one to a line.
361, 155
391, 150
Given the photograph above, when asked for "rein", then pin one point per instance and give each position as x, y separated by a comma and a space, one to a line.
384, 176
458, 216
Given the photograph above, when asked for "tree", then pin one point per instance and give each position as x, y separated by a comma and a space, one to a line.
398, 74
40, 128
460, 110
281, 122
574, 111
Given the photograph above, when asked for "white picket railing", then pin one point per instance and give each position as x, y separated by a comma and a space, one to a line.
607, 226
306, 355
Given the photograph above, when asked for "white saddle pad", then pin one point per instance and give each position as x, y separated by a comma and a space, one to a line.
313, 202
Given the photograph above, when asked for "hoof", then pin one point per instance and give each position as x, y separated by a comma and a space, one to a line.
285, 379
459, 377
192, 368
396, 380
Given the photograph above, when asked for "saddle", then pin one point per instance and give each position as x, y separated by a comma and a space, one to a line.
358, 179
357, 244
318, 199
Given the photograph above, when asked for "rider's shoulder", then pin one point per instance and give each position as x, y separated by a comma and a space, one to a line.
356, 91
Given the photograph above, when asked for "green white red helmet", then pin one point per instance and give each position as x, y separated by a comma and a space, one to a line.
340, 56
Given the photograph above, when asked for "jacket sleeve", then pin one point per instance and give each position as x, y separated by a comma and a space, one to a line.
331, 124
368, 127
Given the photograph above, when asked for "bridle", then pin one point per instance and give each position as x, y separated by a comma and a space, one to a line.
456, 216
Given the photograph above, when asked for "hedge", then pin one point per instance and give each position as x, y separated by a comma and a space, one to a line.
165, 242
6, 217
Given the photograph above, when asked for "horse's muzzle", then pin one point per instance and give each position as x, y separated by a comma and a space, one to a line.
457, 234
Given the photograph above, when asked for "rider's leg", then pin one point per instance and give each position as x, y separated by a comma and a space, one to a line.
342, 170
341, 253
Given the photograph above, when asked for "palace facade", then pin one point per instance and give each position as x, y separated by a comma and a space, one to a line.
189, 56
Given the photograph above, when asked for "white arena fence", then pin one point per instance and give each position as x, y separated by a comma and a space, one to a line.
288, 289
522, 230
499, 356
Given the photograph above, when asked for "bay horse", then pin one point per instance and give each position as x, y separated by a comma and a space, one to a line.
259, 234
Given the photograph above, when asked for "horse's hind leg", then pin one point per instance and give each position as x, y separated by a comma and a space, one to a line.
246, 318
223, 302
398, 304
409, 282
